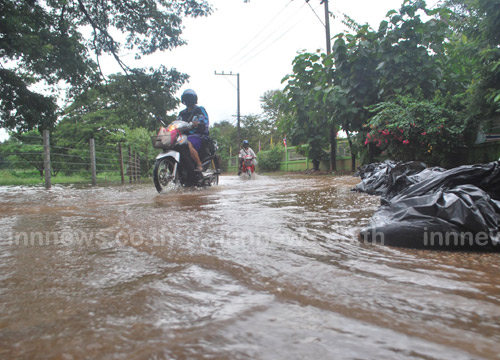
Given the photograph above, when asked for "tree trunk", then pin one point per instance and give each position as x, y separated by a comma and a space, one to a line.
315, 164
333, 149
353, 155
371, 153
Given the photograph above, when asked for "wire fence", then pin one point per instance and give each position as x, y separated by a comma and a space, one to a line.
32, 159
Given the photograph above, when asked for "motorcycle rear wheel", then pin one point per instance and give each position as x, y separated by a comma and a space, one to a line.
163, 173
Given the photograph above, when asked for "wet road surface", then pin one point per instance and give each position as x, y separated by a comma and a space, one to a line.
263, 269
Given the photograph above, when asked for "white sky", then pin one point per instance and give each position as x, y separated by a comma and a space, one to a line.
258, 39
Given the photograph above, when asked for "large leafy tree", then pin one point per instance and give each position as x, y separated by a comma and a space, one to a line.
271, 118
408, 56
24, 151
408, 45
42, 46
400, 58
308, 119
355, 82
117, 104
226, 135
476, 25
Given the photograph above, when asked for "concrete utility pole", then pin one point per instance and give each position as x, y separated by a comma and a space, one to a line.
333, 130
327, 28
238, 93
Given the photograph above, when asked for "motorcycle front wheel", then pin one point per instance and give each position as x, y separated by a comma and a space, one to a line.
214, 180
163, 173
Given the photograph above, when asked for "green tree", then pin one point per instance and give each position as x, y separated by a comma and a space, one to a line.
308, 119
408, 48
355, 83
23, 151
226, 136
476, 25
138, 140
41, 43
271, 118
116, 104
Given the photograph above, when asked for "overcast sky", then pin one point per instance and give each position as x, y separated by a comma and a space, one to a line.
257, 39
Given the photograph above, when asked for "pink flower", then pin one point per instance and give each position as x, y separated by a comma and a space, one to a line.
406, 142
424, 133
366, 141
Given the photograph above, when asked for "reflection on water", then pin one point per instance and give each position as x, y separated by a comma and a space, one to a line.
261, 269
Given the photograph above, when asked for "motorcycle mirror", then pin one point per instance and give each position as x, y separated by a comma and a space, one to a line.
161, 121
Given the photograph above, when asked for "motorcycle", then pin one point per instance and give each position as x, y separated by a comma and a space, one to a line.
248, 165
174, 163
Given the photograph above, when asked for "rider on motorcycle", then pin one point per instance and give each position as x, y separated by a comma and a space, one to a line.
246, 150
198, 117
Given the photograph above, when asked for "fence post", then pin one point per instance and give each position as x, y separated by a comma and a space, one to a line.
46, 158
120, 151
134, 157
92, 162
287, 158
129, 165
138, 165
147, 159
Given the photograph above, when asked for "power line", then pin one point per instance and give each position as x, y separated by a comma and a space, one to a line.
261, 31
238, 95
229, 81
266, 39
321, 21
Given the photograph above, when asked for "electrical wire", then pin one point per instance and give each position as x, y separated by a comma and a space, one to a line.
229, 81
273, 42
261, 31
314, 11
248, 53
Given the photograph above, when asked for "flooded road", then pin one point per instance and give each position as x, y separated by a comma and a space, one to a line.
263, 269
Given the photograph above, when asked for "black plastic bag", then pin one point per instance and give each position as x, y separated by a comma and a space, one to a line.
456, 209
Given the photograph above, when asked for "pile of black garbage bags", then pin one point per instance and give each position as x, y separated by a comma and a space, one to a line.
433, 208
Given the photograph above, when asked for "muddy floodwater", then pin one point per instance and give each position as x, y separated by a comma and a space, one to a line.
262, 269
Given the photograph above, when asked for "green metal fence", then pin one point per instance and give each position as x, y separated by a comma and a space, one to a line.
483, 153
293, 161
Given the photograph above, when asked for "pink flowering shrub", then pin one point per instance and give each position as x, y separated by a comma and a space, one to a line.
411, 129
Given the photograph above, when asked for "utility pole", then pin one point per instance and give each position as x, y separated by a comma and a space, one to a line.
333, 130
238, 93
327, 27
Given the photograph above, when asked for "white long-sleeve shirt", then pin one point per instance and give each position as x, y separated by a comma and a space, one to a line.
244, 152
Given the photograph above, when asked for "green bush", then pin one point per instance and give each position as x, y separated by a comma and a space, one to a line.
271, 160
412, 129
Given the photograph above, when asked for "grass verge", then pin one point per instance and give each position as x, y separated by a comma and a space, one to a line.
28, 177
